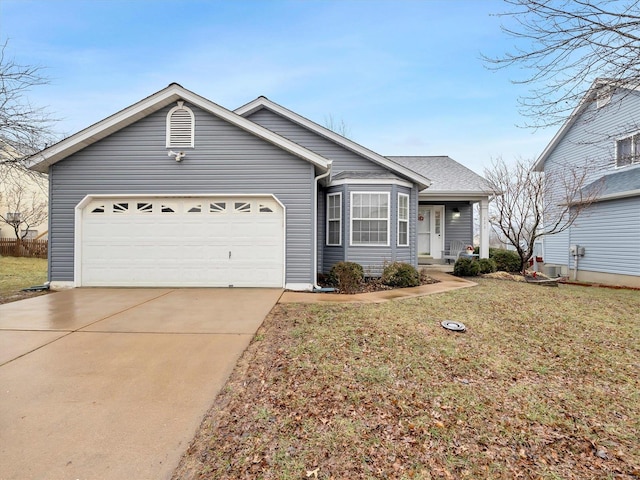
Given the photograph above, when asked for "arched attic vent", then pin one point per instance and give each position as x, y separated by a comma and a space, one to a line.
181, 125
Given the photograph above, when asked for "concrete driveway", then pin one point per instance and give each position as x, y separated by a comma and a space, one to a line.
113, 383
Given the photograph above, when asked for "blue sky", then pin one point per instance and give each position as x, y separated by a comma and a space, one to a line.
405, 76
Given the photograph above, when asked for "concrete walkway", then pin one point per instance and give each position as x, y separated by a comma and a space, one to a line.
113, 383
445, 283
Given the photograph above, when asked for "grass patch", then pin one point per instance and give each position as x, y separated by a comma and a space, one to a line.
544, 384
17, 273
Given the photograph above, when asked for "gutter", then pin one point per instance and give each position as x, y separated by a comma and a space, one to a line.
315, 224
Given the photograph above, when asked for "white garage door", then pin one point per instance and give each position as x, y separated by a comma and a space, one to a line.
182, 241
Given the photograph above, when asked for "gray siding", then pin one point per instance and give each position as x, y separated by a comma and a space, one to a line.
590, 143
343, 159
225, 160
610, 233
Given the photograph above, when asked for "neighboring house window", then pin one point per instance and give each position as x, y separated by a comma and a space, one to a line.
370, 218
334, 219
403, 220
180, 127
15, 217
29, 234
628, 150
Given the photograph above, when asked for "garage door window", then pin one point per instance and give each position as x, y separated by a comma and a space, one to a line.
217, 207
144, 207
242, 207
98, 209
120, 207
195, 209
265, 209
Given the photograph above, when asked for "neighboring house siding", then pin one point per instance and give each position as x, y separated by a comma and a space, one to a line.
590, 143
610, 233
343, 159
556, 248
225, 160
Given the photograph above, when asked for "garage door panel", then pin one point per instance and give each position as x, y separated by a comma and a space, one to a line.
183, 242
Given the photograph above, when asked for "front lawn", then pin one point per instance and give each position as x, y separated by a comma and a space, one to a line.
543, 385
17, 273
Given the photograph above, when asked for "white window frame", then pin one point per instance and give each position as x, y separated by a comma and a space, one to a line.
181, 106
339, 220
352, 219
402, 220
635, 149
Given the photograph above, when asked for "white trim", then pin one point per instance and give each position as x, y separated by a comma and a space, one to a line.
181, 106
41, 161
388, 243
445, 197
299, 287
339, 244
406, 221
77, 254
263, 102
370, 181
61, 285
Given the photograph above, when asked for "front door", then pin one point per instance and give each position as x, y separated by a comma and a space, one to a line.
430, 232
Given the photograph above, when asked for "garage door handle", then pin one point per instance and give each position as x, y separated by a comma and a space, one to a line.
229, 254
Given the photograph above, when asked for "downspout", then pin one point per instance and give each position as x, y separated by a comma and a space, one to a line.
315, 223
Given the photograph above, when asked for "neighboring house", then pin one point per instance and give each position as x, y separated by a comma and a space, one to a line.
23, 198
176, 190
603, 136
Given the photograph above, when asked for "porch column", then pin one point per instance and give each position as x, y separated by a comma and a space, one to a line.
484, 228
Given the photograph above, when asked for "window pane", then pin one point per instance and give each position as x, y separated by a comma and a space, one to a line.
334, 233
403, 207
624, 152
403, 238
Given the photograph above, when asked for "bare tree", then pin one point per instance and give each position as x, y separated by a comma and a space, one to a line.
528, 205
338, 126
564, 46
24, 128
23, 198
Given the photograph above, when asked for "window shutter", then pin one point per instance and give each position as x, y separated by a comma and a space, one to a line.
180, 127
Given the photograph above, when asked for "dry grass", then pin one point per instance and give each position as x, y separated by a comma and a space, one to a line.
17, 273
543, 385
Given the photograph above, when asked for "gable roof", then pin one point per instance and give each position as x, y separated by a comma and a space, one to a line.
588, 98
447, 176
171, 94
263, 102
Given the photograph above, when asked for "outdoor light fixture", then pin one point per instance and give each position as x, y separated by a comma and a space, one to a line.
456, 213
179, 155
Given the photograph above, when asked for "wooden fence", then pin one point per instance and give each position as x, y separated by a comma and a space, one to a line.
24, 248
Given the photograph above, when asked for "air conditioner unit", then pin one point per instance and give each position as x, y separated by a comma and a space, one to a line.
552, 271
